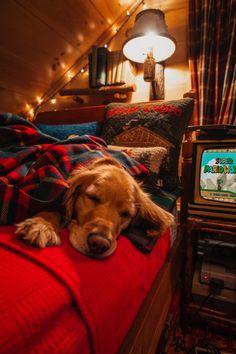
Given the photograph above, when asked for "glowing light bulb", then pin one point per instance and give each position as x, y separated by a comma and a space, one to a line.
39, 99
53, 100
31, 112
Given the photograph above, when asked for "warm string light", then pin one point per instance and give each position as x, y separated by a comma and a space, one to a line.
144, 5
39, 99
69, 75
31, 112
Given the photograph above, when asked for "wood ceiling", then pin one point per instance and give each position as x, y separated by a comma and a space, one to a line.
41, 39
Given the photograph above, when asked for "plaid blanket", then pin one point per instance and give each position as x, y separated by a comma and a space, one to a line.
34, 167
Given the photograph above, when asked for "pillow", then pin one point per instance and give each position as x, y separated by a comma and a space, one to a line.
63, 131
151, 158
150, 124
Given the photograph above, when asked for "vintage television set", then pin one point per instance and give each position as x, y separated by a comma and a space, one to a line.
213, 175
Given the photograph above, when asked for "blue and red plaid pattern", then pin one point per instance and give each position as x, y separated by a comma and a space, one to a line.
34, 167
212, 33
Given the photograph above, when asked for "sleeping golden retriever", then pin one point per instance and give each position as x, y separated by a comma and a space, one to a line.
102, 200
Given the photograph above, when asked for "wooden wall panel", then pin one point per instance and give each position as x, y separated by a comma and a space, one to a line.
110, 10
29, 38
43, 41
73, 21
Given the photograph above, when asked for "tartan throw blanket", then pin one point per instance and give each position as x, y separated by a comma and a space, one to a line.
34, 167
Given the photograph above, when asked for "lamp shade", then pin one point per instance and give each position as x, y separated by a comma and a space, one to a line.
150, 33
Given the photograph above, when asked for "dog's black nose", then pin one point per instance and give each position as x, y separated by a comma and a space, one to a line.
98, 244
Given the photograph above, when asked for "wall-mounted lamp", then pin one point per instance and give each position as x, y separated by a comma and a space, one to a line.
149, 42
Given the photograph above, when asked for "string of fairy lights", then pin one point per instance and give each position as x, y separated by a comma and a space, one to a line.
32, 108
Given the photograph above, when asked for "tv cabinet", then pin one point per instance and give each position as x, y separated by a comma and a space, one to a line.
206, 303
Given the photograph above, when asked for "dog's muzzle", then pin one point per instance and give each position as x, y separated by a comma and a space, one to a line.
98, 243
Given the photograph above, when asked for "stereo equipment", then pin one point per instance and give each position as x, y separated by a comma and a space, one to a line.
214, 278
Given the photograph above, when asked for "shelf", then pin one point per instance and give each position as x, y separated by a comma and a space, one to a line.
214, 319
103, 90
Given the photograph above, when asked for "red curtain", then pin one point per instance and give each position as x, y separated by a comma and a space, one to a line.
212, 37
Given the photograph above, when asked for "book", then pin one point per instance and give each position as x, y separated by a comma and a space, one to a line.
109, 68
118, 69
112, 62
115, 62
90, 68
97, 66
93, 67
101, 66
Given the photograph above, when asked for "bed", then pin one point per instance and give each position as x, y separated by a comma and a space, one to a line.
56, 300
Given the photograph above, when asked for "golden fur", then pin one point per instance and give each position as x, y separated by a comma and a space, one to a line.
101, 201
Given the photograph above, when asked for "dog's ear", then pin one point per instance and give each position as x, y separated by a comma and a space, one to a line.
150, 215
76, 184
105, 161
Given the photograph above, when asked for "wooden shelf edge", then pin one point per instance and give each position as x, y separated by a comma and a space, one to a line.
103, 90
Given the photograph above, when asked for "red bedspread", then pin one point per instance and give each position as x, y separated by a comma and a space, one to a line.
56, 300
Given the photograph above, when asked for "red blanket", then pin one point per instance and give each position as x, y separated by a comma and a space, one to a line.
56, 300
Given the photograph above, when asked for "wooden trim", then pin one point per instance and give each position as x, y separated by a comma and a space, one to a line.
187, 148
103, 90
76, 114
72, 115
193, 94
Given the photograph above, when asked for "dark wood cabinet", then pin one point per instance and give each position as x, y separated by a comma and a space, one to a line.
210, 273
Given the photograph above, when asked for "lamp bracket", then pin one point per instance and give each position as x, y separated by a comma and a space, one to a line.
157, 87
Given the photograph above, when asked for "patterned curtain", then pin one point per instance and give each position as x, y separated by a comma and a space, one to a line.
212, 40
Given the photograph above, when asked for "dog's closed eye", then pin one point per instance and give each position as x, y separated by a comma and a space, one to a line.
94, 198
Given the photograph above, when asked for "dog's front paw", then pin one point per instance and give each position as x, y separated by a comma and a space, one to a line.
37, 231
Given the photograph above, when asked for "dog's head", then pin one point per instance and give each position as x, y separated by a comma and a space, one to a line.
103, 200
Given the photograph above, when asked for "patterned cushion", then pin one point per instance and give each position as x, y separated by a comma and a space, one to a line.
151, 158
63, 131
150, 124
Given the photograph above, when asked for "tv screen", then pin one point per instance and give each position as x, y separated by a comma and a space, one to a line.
213, 179
218, 175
